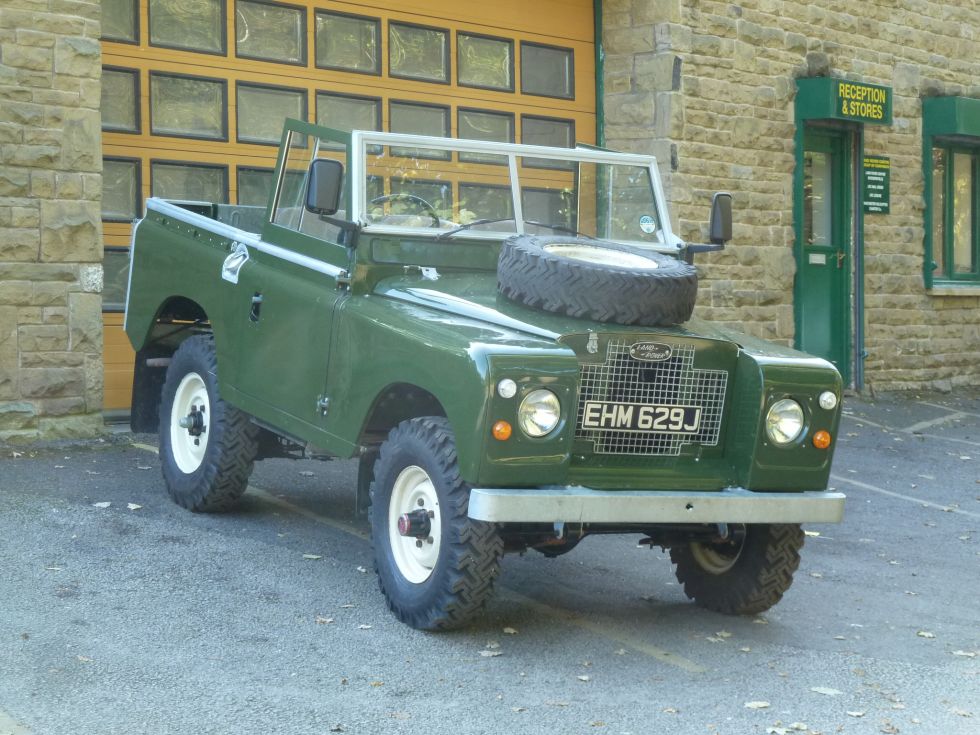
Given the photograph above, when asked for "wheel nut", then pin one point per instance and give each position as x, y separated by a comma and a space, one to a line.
430, 540
418, 543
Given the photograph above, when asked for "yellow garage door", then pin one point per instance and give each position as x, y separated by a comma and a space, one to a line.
194, 93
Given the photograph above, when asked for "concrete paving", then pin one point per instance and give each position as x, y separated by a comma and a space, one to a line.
139, 617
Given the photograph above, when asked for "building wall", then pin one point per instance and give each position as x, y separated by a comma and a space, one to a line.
50, 229
709, 88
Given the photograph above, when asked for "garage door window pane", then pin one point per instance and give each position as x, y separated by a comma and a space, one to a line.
546, 205
272, 32
418, 53
120, 190
189, 181
438, 194
546, 71
348, 42
192, 24
119, 99
255, 185
545, 131
346, 114
115, 270
419, 120
490, 126
485, 202
262, 110
119, 20
187, 106
485, 62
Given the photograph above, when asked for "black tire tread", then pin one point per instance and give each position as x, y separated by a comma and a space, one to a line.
532, 276
759, 578
462, 586
223, 475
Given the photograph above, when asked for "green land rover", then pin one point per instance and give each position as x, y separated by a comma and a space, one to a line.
503, 335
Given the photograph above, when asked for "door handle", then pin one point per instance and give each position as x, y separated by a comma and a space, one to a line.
234, 262
840, 258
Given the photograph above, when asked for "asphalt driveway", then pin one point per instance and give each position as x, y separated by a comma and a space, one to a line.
122, 613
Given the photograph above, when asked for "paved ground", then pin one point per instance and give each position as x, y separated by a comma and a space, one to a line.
145, 618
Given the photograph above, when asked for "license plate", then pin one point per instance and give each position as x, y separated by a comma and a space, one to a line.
615, 416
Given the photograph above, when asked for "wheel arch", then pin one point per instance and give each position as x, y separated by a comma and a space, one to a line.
395, 403
176, 319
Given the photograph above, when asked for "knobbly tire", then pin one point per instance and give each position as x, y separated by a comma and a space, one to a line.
596, 279
206, 464
740, 578
442, 578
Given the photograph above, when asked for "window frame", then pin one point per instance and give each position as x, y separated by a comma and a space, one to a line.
378, 102
113, 307
446, 48
513, 62
239, 83
949, 276
223, 26
223, 167
467, 157
305, 35
190, 136
571, 70
378, 71
136, 28
137, 89
139, 187
546, 118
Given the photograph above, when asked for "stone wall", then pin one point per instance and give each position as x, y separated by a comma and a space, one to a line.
50, 227
709, 88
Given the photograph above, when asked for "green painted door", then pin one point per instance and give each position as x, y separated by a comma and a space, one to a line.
822, 294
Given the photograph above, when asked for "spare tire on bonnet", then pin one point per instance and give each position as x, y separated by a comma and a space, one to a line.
596, 279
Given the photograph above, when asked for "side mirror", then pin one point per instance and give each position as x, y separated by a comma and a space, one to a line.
720, 224
326, 181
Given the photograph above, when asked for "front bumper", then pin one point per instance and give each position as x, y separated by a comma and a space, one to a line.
577, 504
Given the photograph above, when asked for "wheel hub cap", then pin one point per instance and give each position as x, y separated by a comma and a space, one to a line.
414, 530
188, 423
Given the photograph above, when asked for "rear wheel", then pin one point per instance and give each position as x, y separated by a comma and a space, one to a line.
744, 574
207, 447
436, 566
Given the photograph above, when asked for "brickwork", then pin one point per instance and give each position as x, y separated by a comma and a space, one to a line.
708, 87
50, 228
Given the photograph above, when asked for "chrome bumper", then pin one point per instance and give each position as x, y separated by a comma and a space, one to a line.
576, 504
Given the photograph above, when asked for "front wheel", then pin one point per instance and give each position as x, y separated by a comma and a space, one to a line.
746, 573
436, 566
207, 447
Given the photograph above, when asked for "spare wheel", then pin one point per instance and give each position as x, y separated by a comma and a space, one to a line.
596, 279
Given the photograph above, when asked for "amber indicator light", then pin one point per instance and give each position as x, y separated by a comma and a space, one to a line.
502, 431
821, 439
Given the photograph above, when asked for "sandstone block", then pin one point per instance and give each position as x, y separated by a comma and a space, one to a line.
16, 292
24, 217
82, 144
27, 57
657, 72
630, 109
78, 57
70, 231
51, 359
52, 382
50, 294
14, 182
85, 322
19, 415
42, 184
42, 337
19, 244
83, 426
49, 407
54, 315
37, 272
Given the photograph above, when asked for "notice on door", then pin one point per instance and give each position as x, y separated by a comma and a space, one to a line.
875, 176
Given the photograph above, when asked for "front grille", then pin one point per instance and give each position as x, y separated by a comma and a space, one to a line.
672, 382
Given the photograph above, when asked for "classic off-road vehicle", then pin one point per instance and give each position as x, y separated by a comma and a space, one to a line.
503, 335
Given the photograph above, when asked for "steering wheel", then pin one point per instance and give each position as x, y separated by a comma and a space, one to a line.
403, 197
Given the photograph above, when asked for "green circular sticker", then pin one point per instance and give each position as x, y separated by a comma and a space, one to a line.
647, 224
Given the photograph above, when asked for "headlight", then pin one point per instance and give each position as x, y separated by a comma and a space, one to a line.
784, 422
539, 412
828, 400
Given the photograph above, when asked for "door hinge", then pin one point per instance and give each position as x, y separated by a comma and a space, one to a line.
322, 405
343, 280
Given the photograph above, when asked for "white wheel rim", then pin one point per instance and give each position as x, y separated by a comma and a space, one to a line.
188, 450
602, 256
413, 490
